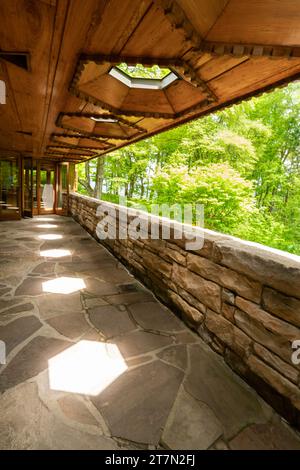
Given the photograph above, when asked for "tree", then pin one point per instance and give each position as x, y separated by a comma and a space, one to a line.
243, 163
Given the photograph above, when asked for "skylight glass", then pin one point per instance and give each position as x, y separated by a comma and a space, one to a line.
102, 119
147, 78
140, 71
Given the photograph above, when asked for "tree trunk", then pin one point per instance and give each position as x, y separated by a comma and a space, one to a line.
99, 177
86, 182
142, 188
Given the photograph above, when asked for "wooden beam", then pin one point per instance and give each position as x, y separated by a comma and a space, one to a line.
119, 120
179, 20
255, 50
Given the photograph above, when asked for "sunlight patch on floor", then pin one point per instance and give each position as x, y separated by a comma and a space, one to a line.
63, 285
56, 253
88, 367
44, 219
46, 226
50, 236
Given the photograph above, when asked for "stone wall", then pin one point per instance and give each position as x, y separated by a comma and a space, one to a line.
242, 298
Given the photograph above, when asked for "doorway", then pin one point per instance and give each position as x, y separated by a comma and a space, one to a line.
44, 183
46, 187
30, 187
10, 203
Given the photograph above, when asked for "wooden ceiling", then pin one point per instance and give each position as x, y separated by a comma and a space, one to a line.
59, 85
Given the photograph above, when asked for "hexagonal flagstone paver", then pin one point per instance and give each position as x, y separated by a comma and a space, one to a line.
211, 381
111, 321
137, 404
18, 330
71, 325
191, 425
31, 360
140, 342
154, 316
270, 436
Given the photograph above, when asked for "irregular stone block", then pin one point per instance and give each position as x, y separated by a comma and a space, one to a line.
207, 292
17, 331
31, 286
174, 255
228, 296
229, 334
270, 436
75, 410
35, 427
191, 425
266, 329
154, 316
111, 321
225, 277
155, 263
18, 309
276, 363
267, 265
228, 312
175, 355
285, 307
71, 325
51, 305
129, 298
137, 404
141, 342
190, 312
31, 360
213, 383
276, 380
190, 299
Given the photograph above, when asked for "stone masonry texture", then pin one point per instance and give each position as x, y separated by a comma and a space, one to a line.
242, 298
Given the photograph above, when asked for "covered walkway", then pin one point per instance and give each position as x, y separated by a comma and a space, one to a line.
94, 361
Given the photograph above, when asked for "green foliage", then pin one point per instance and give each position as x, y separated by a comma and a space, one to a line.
242, 163
226, 196
140, 71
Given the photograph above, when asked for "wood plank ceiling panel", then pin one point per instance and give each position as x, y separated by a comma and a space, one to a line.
56, 33
258, 22
27, 24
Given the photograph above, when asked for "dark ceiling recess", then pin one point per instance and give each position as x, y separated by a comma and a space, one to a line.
20, 59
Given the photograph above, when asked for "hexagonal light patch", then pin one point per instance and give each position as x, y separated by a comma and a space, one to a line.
63, 285
88, 367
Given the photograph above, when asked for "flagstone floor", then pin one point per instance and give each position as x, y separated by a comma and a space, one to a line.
94, 361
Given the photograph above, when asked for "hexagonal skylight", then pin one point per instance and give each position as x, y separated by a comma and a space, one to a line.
140, 71
140, 76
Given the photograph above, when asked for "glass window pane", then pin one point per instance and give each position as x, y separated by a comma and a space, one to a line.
9, 187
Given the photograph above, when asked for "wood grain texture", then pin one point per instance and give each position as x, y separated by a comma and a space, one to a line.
222, 50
